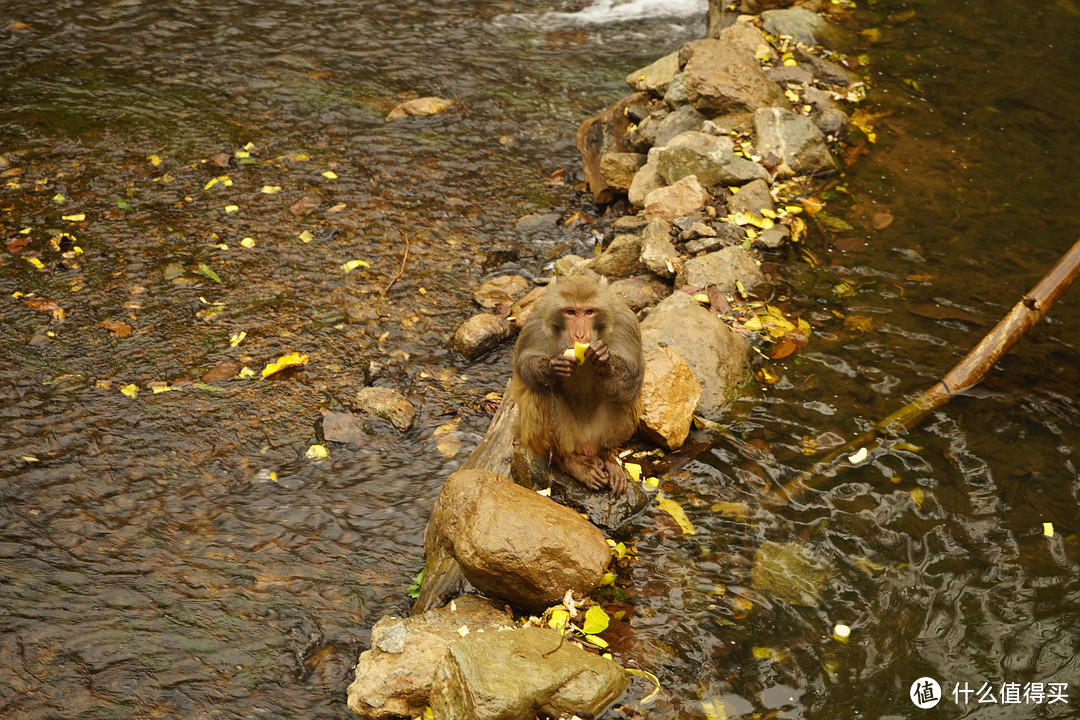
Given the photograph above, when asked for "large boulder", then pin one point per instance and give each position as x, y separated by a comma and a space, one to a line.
602, 134
710, 166
393, 678
387, 403
682, 198
721, 269
799, 24
523, 674
618, 169
645, 181
669, 396
794, 139
515, 544
619, 259
722, 77
655, 77
658, 253
717, 356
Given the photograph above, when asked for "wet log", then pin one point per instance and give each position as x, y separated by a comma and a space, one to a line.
966, 374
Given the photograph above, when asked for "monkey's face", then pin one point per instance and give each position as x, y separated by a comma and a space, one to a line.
581, 321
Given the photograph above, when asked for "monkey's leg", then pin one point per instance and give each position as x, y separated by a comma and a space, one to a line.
617, 476
586, 469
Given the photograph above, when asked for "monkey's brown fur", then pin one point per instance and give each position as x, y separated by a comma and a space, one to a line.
570, 414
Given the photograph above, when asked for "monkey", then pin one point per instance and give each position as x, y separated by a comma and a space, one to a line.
573, 412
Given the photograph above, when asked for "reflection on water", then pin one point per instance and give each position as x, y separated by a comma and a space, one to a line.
174, 554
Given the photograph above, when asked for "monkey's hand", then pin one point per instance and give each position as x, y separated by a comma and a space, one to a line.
561, 366
598, 353
616, 476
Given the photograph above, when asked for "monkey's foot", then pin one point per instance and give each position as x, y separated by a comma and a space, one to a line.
617, 476
589, 470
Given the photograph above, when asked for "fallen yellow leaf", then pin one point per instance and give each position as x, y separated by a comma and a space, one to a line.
675, 510
285, 361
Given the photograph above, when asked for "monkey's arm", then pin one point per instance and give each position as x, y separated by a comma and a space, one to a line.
619, 377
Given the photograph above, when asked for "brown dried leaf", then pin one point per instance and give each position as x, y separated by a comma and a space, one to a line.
17, 243
49, 306
305, 205
881, 220
118, 328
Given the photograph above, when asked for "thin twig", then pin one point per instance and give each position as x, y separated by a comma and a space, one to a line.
404, 259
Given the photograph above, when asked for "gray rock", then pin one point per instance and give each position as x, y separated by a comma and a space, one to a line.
703, 140
481, 334
529, 224
711, 167
522, 674
388, 404
393, 679
504, 289
799, 24
514, 544
827, 114
697, 230
727, 235
681, 198
656, 77
795, 140
657, 252
645, 181
721, 78
619, 259
568, 264
824, 70
641, 292
793, 74
717, 356
682, 120
642, 135
752, 197
721, 269
773, 238
629, 224
675, 95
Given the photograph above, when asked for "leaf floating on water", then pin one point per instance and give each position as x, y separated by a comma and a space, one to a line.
1048, 529
306, 236
858, 456
117, 328
124, 205
648, 676
205, 270
154, 160
232, 209
675, 510
35, 262
77, 217
248, 243
714, 710
49, 306
285, 361
317, 452
917, 496
237, 338
330, 175
130, 390
270, 189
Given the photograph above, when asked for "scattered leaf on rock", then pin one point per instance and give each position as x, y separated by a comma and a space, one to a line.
285, 361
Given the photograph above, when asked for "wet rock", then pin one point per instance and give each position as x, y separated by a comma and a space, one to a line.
656, 77
5, 163
641, 292
703, 140
603, 509
824, 70
721, 78
388, 404
619, 259
717, 356
795, 140
420, 107
675, 95
629, 224
669, 397
393, 679
721, 269
752, 197
515, 544
658, 254
681, 198
602, 134
827, 114
481, 334
529, 224
523, 674
645, 181
773, 238
501, 290
224, 370
711, 167
343, 427
799, 24
789, 572
618, 169
790, 74
698, 230
682, 120
727, 234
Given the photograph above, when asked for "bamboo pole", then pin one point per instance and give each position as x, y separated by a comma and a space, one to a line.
967, 373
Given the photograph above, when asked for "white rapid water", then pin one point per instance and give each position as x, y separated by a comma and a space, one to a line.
611, 12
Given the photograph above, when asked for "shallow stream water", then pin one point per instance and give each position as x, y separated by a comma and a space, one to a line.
175, 554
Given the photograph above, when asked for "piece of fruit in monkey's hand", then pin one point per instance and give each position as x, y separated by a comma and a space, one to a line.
578, 351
